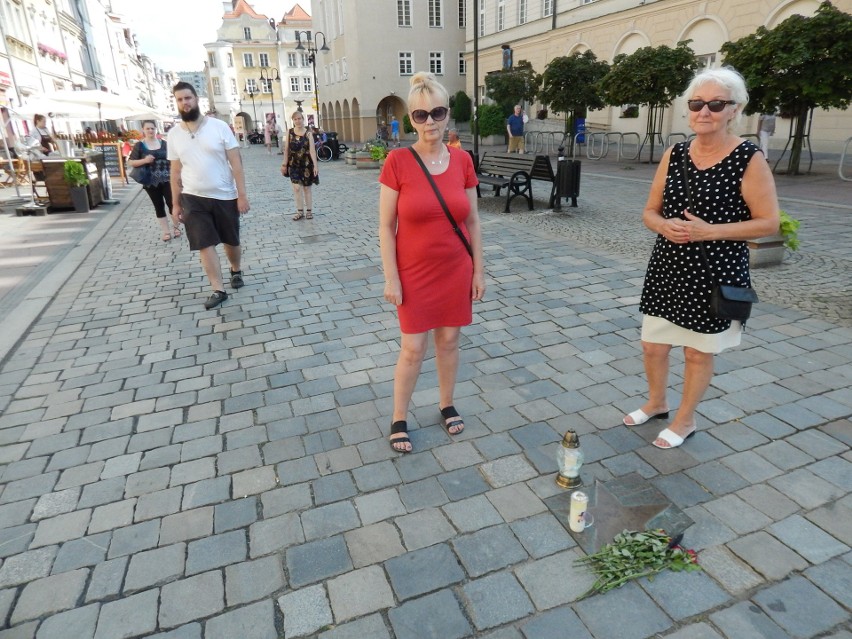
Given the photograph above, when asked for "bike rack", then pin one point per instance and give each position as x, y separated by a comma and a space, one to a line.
842, 160
591, 139
621, 155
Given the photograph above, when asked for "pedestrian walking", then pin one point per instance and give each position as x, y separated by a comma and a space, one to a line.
765, 130
152, 152
453, 139
208, 189
515, 129
270, 130
394, 130
732, 199
301, 166
432, 274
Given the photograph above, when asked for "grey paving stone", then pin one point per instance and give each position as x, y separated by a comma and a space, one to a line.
516, 502
379, 506
183, 526
256, 621
372, 626
16, 513
507, 471
737, 514
373, 544
329, 520
700, 630
49, 595
188, 631
472, 514
685, 594
216, 551
332, 488
275, 533
27, 566
457, 455
147, 481
555, 580
426, 493
806, 489
417, 466
192, 598
244, 458
61, 528
253, 481
30, 487
359, 592
317, 560
556, 624
767, 555
810, 542
494, 600
155, 567
745, 620
418, 572
424, 528
24, 631
835, 579
115, 515
102, 492
836, 470
207, 492
488, 550
127, 617
435, 615
376, 476
805, 610
234, 514
252, 580
463, 483
706, 531
768, 500
79, 623
296, 471
305, 611
716, 478
78, 553
133, 539
783, 455
106, 579
733, 574
56, 503
625, 612
158, 504
285, 500
542, 535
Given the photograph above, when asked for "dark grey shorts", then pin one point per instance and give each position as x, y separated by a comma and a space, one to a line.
210, 222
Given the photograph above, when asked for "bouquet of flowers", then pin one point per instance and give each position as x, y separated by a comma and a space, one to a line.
632, 555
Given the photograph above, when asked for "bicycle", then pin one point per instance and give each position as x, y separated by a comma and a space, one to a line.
323, 152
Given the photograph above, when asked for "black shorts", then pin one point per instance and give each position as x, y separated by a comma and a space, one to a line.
209, 222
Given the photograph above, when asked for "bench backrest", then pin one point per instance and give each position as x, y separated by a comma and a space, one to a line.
542, 169
505, 164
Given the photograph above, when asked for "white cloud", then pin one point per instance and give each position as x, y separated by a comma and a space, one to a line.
173, 32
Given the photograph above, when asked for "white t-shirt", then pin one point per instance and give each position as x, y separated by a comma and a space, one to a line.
205, 170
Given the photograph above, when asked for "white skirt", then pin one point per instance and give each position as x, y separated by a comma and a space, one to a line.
657, 330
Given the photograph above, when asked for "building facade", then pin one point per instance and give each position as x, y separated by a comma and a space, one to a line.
540, 30
364, 77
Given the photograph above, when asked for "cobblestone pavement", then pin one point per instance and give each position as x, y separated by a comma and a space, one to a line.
167, 471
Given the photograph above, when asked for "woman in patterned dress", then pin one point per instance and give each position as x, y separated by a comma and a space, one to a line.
300, 164
152, 151
733, 193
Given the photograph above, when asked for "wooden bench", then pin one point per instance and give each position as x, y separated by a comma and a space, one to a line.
514, 172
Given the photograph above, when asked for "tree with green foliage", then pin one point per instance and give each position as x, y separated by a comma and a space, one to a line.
570, 86
491, 120
461, 107
799, 65
407, 127
509, 87
654, 76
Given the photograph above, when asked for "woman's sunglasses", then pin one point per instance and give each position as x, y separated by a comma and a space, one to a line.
715, 106
438, 114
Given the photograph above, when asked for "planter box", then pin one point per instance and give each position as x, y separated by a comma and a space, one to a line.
80, 198
349, 157
364, 160
766, 251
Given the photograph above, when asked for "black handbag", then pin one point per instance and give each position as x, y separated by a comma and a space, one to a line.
452, 220
727, 302
142, 175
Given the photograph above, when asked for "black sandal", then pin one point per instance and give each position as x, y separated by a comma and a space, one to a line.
399, 427
448, 413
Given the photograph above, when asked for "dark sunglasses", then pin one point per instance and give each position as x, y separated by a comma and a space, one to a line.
438, 114
714, 105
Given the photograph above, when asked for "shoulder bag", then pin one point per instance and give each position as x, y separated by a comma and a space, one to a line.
142, 174
452, 220
726, 302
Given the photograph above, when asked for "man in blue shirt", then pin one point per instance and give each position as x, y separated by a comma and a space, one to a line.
515, 128
395, 130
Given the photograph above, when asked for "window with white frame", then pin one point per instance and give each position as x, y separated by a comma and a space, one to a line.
264, 59
547, 8
327, 75
211, 60
266, 85
307, 84
403, 13
338, 70
588, 1
522, 11
481, 19
501, 15
706, 61
340, 16
248, 60
345, 69
436, 17
406, 63
247, 33
294, 84
251, 85
217, 89
306, 60
462, 64
234, 92
436, 62
462, 14
230, 59
291, 60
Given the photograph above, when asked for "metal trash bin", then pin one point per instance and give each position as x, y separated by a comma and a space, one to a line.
333, 143
567, 181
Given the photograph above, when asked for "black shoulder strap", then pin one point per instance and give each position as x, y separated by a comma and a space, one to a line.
441, 201
692, 208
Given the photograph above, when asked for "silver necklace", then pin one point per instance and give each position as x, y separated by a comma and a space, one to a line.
440, 159
192, 133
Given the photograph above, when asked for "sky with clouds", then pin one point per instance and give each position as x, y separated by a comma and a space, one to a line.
173, 32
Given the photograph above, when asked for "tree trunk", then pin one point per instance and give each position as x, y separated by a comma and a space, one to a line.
569, 129
798, 140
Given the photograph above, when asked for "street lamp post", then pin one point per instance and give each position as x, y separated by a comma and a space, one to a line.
250, 92
268, 74
312, 50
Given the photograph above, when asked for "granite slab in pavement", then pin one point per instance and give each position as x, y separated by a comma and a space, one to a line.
174, 472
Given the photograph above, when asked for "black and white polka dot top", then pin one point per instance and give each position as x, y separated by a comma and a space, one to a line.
677, 284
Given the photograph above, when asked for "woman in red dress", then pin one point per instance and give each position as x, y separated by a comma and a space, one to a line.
429, 274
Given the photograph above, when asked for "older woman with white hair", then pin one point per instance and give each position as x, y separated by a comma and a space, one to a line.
733, 199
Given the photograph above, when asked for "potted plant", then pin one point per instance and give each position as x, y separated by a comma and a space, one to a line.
349, 155
75, 177
378, 152
769, 251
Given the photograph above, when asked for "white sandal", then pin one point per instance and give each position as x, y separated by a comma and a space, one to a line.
639, 417
671, 438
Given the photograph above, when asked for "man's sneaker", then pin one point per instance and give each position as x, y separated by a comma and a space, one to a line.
215, 299
237, 279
